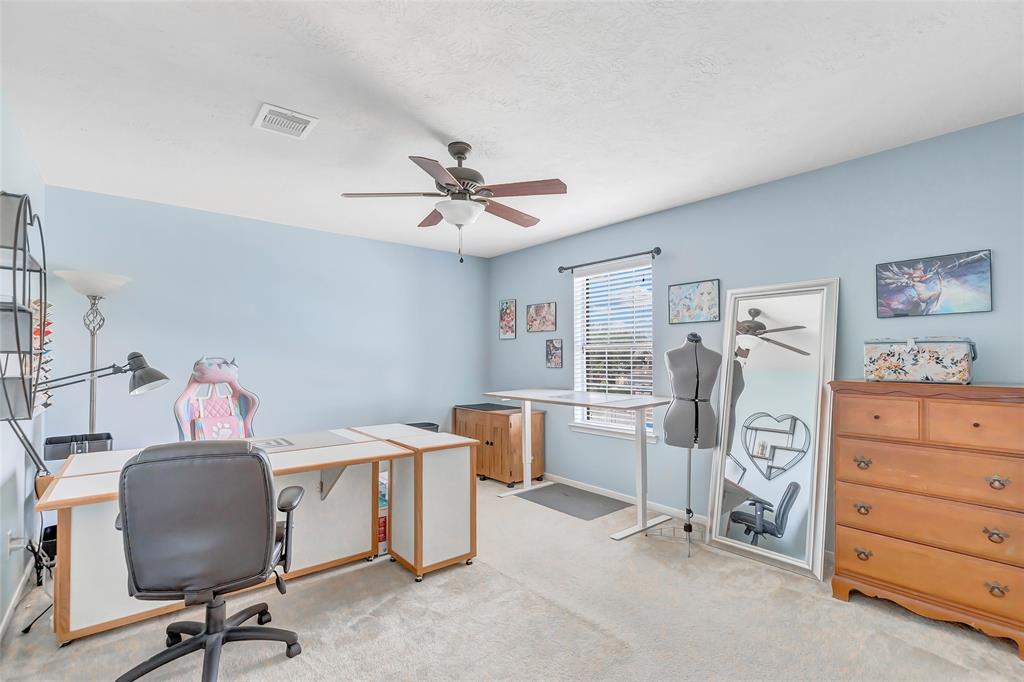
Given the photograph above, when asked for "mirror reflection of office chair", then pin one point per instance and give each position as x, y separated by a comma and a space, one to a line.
198, 521
756, 525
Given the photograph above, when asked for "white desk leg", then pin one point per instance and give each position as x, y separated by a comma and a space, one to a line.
640, 443
527, 450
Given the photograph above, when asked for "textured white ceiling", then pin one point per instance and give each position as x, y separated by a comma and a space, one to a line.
636, 106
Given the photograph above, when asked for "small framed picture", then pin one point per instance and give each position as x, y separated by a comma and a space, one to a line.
936, 285
553, 353
540, 317
507, 319
693, 302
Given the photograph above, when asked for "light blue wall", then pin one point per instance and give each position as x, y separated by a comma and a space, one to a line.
954, 193
328, 330
18, 175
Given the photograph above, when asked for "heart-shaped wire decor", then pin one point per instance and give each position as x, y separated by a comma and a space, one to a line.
775, 444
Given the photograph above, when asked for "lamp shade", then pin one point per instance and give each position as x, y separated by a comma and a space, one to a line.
93, 283
459, 211
144, 378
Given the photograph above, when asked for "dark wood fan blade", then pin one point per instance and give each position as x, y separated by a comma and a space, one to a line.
522, 189
433, 218
511, 214
436, 171
784, 345
370, 195
782, 329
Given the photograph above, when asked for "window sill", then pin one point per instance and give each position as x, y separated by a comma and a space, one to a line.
609, 431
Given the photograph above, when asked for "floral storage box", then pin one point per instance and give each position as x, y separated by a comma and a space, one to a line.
940, 360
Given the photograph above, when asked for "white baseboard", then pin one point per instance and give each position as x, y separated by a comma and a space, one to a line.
698, 519
19, 592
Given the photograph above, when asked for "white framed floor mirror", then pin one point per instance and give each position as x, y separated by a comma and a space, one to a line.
770, 467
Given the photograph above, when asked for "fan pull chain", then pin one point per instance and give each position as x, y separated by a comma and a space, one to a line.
460, 242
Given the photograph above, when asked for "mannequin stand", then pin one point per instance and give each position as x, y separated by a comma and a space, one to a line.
670, 532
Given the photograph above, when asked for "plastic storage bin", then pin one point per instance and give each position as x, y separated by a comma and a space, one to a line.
932, 359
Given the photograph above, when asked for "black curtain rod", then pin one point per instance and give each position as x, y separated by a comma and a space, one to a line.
656, 251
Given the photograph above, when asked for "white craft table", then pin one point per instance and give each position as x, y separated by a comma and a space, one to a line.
335, 524
431, 509
637, 404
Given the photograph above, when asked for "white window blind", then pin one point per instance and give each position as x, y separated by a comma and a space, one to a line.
614, 340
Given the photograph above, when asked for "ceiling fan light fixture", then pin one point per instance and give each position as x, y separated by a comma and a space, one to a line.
459, 211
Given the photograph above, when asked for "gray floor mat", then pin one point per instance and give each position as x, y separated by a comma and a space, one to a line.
572, 501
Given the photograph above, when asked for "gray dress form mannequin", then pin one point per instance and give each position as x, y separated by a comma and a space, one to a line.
690, 421
737, 388
693, 369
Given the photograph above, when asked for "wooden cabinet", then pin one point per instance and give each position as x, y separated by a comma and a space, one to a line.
499, 430
930, 502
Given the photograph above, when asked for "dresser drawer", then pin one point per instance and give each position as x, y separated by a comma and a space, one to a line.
982, 479
981, 531
957, 578
869, 416
982, 426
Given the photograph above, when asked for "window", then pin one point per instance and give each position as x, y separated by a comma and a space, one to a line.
614, 339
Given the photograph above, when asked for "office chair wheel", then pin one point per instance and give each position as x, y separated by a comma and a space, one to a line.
172, 639
539, 478
369, 559
469, 562
481, 478
392, 559
263, 618
510, 485
293, 650
419, 578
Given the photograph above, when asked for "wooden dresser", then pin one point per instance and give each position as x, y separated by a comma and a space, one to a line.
929, 500
499, 430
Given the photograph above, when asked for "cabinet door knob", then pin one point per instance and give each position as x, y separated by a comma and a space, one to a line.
997, 590
862, 461
997, 482
863, 508
995, 535
877, 416
863, 554
976, 425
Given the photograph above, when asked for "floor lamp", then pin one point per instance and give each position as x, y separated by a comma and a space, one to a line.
95, 286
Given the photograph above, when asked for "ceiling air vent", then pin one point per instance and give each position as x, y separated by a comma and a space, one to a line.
284, 121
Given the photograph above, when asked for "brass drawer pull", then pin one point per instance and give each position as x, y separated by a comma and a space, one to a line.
863, 554
995, 535
997, 590
997, 482
863, 508
862, 461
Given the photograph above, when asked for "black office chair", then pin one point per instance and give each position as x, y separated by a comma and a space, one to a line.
198, 521
757, 525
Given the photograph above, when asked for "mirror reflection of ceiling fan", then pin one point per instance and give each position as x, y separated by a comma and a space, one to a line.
756, 328
466, 195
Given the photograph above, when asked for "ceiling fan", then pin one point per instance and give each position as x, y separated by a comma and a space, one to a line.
466, 195
754, 327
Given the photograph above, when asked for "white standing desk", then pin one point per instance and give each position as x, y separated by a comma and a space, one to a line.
637, 404
733, 495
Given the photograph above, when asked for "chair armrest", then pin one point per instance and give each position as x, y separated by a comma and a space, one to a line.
289, 498
759, 516
118, 525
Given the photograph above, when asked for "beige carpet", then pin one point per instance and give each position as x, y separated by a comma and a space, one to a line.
550, 597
